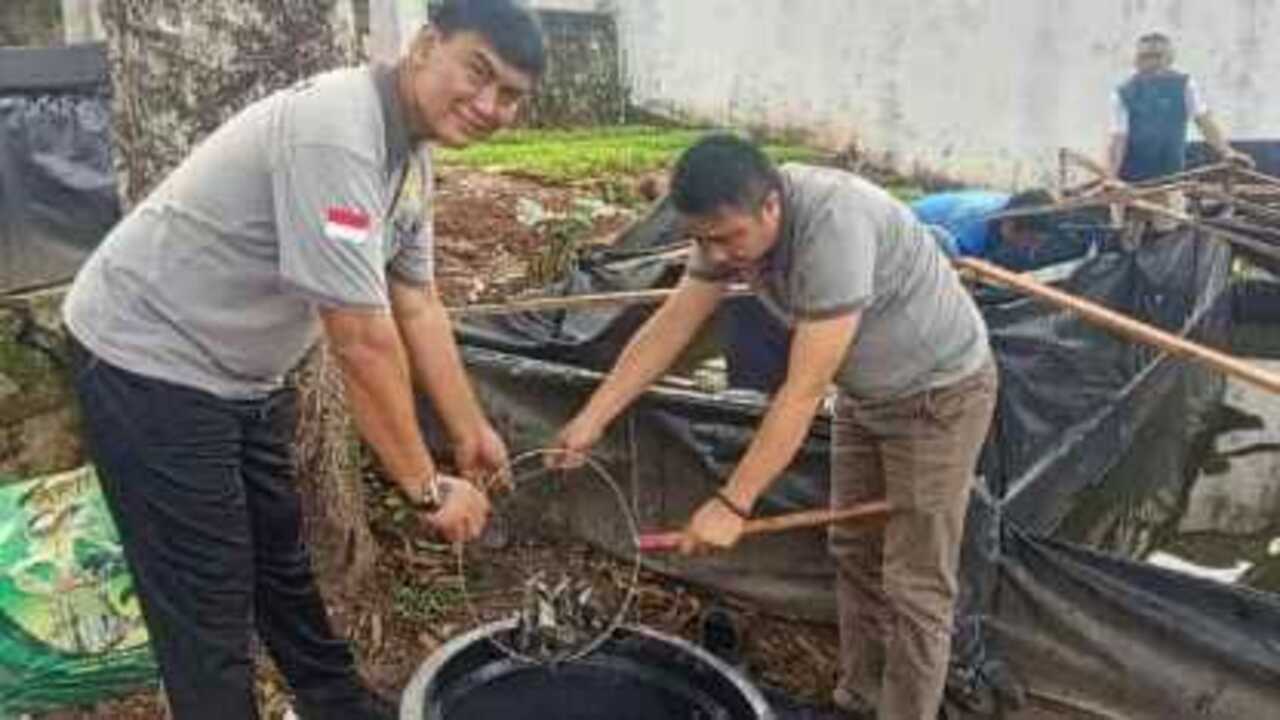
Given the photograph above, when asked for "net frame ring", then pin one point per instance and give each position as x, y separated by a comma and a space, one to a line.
509, 479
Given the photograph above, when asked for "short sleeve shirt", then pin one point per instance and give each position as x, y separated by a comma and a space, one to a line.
846, 245
311, 198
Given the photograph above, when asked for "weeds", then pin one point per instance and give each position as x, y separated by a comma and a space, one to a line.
562, 156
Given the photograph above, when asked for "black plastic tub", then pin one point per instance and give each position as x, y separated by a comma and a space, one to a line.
638, 674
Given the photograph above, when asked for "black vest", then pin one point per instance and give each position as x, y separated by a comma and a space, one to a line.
1158, 118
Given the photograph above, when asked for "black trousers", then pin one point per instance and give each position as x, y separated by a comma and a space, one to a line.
202, 492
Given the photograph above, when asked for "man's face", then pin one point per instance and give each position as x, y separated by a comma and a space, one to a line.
461, 91
736, 238
1018, 237
1153, 56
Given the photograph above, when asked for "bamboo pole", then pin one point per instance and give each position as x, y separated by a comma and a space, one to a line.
1268, 211
1124, 194
1259, 177
1122, 324
574, 302
869, 513
1228, 236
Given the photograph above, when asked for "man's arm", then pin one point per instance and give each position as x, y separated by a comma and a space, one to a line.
1115, 154
1118, 141
650, 352
375, 372
1217, 139
433, 355
367, 348
655, 346
817, 350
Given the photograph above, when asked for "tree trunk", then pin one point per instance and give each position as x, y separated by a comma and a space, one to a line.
330, 467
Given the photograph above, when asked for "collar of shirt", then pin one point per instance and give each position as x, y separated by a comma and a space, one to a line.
777, 262
399, 146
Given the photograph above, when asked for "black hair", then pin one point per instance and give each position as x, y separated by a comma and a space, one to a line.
1155, 37
1025, 200
508, 25
722, 171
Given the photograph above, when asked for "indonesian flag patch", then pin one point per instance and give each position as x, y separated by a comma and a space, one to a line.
347, 224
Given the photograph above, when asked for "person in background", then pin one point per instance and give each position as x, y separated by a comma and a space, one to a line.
974, 225
1150, 115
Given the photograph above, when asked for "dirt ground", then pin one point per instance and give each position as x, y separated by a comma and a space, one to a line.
484, 247
413, 605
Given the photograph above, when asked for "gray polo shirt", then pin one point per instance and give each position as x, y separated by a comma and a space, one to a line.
846, 245
310, 198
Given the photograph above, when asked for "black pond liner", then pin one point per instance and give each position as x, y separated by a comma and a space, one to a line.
638, 674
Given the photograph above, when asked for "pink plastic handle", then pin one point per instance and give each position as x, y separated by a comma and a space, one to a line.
660, 542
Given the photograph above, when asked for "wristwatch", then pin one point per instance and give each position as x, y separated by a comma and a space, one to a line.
430, 499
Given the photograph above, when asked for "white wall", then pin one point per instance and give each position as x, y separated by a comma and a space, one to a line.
982, 90
81, 21
392, 24
569, 5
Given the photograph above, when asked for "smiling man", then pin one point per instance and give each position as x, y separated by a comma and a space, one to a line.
307, 214
875, 309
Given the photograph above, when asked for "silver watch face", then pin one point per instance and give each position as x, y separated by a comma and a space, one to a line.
433, 494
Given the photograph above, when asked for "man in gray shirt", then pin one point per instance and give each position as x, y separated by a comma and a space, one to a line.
876, 309
306, 215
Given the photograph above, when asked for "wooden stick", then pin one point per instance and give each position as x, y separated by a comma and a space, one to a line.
1125, 194
1268, 211
1231, 237
1160, 184
565, 302
1192, 174
1123, 325
1092, 199
863, 514
1078, 158
1260, 177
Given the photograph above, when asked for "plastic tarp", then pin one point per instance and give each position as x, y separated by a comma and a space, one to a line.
1091, 438
57, 184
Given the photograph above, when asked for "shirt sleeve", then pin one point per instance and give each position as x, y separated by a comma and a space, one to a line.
328, 220
414, 262
1119, 115
1197, 106
833, 271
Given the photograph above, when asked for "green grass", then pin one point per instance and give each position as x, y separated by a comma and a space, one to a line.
572, 155
427, 603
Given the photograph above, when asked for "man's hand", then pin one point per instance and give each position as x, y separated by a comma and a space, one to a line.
481, 454
1237, 157
714, 526
463, 513
574, 443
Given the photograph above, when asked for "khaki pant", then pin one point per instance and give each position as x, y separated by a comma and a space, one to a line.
896, 589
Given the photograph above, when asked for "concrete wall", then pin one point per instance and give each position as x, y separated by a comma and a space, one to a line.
392, 24
566, 5
983, 90
81, 21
